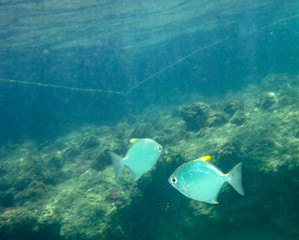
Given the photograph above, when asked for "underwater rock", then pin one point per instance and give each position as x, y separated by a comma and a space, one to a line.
2, 171
287, 100
266, 100
5, 184
233, 106
91, 207
6, 199
101, 161
228, 153
273, 82
21, 223
113, 194
82, 169
115, 131
55, 162
21, 182
32, 193
195, 115
72, 152
238, 118
142, 130
217, 119
90, 142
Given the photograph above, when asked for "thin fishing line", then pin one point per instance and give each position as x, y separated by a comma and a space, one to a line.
175, 63
61, 87
206, 47
154, 74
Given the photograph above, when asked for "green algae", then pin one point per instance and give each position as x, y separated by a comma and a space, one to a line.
44, 193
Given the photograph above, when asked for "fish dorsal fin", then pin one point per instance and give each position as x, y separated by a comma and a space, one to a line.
132, 140
205, 158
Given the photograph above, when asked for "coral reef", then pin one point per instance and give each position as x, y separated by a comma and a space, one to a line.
217, 119
195, 116
266, 100
238, 118
66, 189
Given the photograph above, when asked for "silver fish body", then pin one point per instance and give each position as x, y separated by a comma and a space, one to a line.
201, 181
140, 158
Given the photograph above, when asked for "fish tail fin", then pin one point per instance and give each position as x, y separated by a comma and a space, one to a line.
118, 163
235, 178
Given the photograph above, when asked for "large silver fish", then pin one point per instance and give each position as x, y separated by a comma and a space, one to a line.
140, 158
201, 181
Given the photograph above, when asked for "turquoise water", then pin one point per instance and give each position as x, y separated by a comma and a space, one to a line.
79, 79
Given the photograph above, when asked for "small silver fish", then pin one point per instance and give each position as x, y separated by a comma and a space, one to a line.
202, 181
140, 158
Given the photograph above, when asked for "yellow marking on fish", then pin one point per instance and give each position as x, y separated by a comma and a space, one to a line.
132, 140
205, 158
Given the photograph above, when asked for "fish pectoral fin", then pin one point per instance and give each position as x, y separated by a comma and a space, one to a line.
205, 158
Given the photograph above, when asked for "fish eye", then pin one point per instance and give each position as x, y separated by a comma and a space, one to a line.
173, 180
160, 148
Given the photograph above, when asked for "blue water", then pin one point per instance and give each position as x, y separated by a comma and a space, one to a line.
114, 45
68, 64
